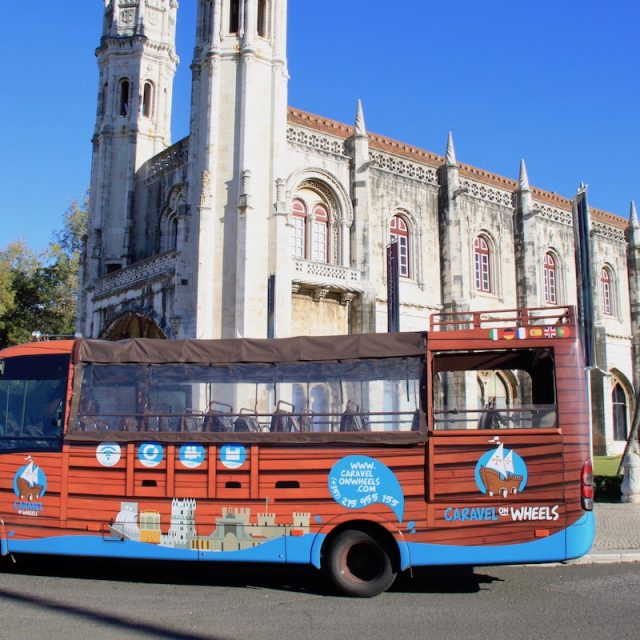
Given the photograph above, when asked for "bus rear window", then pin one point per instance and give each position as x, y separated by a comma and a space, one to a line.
494, 389
32, 394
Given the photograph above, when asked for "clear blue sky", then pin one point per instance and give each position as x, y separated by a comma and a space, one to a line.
553, 82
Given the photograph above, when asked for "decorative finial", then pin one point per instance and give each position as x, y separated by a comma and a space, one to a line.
360, 128
633, 215
451, 153
523, 179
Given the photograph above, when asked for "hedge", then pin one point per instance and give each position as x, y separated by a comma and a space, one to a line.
607, 488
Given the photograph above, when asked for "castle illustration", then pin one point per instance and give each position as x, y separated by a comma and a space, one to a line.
233, 531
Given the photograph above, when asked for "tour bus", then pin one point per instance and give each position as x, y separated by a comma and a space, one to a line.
361, 455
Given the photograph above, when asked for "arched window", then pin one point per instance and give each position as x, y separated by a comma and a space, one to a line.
103, 99
124, 98
314, 235
234, 16
173, 233
619, 406
549, 272
320, 234
606, 291
482, 261
147, 100
262, 18
399, 232
299, 229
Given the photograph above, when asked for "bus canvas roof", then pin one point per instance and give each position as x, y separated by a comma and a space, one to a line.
298, 349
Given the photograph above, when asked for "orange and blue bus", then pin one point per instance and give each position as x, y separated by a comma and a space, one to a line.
361, 455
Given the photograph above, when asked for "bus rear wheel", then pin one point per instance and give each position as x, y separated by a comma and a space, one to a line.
358, 565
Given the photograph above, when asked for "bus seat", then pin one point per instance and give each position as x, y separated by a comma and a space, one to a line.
283, 420
215, 420
191, 421
306, 421
490, 418
351, 419
129, 423
247, 421
544, 419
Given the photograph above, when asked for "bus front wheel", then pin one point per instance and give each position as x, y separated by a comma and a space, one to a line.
358, 565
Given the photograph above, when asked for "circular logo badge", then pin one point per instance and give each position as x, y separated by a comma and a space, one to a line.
30, 481
501, 472
108, 453
150, 454
233, 456
191, 455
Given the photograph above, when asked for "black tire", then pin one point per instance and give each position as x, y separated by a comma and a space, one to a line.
358, 565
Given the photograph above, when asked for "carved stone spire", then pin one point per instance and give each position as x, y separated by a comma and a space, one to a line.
451, 153
360, 127
633, 215
523, 179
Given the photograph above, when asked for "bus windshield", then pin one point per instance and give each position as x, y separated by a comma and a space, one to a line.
32, 393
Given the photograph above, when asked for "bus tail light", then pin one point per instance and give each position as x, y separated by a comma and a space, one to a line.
586, 485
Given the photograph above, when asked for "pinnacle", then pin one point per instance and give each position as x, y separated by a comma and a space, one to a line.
523, 179
360, 126
451, 154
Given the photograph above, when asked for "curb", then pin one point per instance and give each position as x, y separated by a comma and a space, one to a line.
609, 557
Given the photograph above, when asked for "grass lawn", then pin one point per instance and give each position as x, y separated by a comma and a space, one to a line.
605, 465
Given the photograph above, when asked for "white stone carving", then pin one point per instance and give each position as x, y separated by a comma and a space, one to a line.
145, 270
554, 214
405, 168
319, 142
487, 193
333, 276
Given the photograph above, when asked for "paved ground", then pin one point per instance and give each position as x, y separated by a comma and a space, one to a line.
617, 534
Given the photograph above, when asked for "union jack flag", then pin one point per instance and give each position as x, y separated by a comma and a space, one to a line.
550, 332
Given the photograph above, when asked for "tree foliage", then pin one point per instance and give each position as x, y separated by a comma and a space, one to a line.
39, 292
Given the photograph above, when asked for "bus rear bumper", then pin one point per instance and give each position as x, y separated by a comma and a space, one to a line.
573, 542
580, 536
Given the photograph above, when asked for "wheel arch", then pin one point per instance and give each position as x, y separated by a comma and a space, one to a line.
391, 538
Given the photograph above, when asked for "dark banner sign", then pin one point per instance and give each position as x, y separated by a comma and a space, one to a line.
584, 277
271, 305
393, 288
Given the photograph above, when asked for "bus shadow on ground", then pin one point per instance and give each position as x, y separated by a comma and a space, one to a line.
291, 578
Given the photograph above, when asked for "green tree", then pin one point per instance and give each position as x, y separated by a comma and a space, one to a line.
39, 293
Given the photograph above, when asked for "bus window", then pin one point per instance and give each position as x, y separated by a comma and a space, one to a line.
32, 392
333, 396
494, 390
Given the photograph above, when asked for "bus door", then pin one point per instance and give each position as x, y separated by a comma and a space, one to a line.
495, 456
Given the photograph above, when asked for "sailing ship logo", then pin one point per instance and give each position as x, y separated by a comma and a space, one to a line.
501, 472
30, 481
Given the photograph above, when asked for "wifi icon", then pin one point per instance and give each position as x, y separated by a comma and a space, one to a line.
108, 453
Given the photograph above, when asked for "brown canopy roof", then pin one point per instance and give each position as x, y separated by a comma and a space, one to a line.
303, 348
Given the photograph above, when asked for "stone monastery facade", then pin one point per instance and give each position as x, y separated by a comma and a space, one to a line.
185, 238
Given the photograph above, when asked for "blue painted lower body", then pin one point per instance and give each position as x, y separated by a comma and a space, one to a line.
573, 542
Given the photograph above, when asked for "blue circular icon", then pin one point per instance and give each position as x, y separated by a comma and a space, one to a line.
233, 456
150, 454
30, 481
501, 472
108, 453
191, 455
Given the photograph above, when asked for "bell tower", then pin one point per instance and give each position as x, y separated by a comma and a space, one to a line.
137, 62
237, 152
